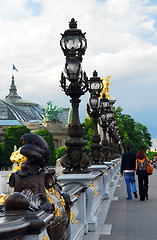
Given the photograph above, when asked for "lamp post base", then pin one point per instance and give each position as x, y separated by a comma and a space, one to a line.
75, 160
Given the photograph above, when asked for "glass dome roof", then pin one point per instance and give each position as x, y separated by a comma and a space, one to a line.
13, 107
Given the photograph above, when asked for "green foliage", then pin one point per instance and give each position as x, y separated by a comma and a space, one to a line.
49, 138
60, 152
88, 132
131, 132
151, 155
88, 128
12, 138
1, 154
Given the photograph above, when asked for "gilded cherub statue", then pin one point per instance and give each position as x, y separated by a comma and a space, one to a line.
106, 83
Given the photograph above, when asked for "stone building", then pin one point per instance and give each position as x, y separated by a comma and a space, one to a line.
16, 111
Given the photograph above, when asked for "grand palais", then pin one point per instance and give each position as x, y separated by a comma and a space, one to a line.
16, 111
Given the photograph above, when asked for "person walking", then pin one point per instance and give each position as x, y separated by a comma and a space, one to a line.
141, 170
128, 170
155, 161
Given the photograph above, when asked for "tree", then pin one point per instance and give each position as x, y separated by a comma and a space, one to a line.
49, 138
88, 131
131, 132
1, 154
12, 138
142, 136
151, 155
60, 152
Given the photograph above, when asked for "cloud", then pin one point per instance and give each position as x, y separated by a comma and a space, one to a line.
121, 38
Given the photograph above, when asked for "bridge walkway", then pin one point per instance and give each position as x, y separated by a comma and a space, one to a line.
122, 219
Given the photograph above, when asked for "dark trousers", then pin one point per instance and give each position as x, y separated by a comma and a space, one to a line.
143, 184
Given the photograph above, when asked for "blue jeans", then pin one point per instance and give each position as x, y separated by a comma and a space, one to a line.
130, 183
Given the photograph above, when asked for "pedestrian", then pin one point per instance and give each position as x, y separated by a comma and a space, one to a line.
141, 170
128, 169
155, 161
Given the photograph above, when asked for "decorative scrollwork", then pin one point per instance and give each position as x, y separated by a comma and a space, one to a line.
36, 187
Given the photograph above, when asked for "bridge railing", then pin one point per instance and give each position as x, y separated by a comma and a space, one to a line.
86, 191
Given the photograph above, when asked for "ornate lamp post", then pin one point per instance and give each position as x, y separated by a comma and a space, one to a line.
114, 132
93, 109
117, 141
112, 136
74, 44
106, 116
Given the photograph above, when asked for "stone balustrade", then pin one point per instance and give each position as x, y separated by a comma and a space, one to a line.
86, 191
78, 223
4, 179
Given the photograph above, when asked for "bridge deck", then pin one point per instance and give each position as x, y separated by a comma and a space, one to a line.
121, 219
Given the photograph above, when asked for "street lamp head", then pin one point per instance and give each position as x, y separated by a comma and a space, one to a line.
72, 67
114, 122
94, 103
109, 115
116, 128
104, 102
103, 118
95, 85
73, 38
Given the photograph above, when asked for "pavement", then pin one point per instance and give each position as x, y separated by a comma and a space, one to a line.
122, 219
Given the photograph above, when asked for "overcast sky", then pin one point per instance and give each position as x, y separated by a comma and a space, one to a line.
122, 42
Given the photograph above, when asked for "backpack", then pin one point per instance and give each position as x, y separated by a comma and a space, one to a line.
141, 164
149, 168
144, 165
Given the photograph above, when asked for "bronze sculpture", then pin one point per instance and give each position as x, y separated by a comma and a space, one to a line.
36, 188
52, 114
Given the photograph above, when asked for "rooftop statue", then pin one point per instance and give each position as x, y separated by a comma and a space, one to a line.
106, 83
52, 113
36, 190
